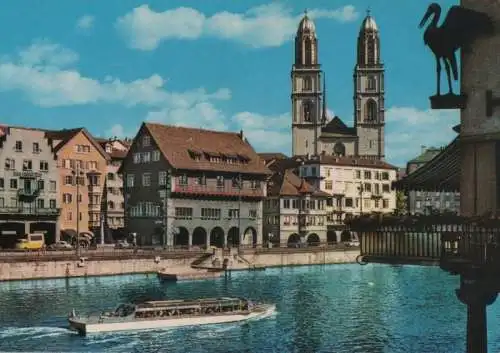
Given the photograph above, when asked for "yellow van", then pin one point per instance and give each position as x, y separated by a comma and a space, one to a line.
32, 241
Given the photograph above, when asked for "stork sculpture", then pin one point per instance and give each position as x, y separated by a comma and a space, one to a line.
458, 30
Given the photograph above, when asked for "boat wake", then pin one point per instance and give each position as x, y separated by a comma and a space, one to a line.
29, 333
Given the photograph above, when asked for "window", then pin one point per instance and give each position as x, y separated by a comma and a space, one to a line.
155, 156
36, 147
371, 51
328, 185
13, 183
2, 202
41, 184
19, 146
210, 213
255, 184
295, 203
52, 203
27, 165
220, 181
371, 83
146, 141
385, 176
358, 174
233, 213
367, 174
183, 213
286, 203
111, 176
146, 179
69, 216
67, 198
376, 203
137, 158
40, 203
10, 164
68, 180
146, 157
386, 188
130, 180
201, 180
235, 182
385, 203
348, 202
371, 111
307, 84
286, 220
44, 166
252, 214
183, 179
368, 187
162, 178
367, 203
2, 183
307, 111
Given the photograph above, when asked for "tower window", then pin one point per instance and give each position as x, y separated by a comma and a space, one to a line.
371, 51
339, 149
371, 83
307, 111
308, 51
371, 111
307, 84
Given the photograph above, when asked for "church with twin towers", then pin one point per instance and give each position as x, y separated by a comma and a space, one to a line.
313, 131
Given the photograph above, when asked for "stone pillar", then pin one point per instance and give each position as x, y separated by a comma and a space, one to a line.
477, 294
27, 227
207, 240
190, 240
58, 231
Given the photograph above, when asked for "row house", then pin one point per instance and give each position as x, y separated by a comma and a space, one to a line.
82, 166
29, 185
294, 211
193, 187
113, 201
356, 185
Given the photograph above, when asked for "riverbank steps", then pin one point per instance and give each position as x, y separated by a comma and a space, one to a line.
19, 270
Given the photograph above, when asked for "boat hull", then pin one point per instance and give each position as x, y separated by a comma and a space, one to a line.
86, 326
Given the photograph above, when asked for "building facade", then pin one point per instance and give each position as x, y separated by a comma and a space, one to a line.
190, 187
426, 202
82, 165
113, 200
313, 132
29, 185
357, 186
294, 211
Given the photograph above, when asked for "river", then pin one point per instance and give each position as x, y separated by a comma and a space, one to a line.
335, 308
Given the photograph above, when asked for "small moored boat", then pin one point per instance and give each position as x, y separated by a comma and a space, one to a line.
170, 313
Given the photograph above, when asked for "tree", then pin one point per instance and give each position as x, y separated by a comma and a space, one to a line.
401, 204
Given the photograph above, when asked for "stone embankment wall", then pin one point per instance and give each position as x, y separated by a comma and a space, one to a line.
19, 270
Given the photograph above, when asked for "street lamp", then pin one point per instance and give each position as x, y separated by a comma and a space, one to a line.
77, 173
360, 189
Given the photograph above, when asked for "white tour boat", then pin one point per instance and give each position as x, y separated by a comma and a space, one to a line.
170, 313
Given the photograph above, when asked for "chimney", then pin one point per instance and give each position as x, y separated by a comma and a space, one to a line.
241, 134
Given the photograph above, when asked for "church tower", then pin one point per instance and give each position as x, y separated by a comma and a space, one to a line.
306, 91
369, 92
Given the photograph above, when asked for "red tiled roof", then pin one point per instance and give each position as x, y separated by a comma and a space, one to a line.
65, 135
287, 183
350, 161
178, 144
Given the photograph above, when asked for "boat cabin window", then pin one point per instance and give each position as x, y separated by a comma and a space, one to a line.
124, 310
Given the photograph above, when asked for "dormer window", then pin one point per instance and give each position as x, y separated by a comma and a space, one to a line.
109, 149
146, 141
183, 179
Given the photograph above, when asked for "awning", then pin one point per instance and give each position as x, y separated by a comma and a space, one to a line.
442, 173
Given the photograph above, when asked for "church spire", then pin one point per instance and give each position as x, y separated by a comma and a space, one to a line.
324, 117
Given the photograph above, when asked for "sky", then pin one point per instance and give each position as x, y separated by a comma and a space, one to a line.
218, 64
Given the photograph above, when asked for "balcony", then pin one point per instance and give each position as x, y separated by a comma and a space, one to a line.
212, 190
30, 211
94, 189
28, 194
95, 207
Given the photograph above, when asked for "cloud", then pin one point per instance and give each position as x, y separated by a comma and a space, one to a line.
408, 128
262, 26
265, 133
85, 22
39, 72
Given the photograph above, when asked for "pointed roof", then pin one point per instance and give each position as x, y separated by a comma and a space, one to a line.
286, 183
61, 137
306, 25
337, 126
369, 23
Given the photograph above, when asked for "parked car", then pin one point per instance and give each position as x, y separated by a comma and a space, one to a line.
123, 244
60, 245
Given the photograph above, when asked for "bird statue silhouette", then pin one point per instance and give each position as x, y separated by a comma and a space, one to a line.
458, 30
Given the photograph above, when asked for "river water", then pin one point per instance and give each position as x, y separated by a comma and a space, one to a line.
337, 308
